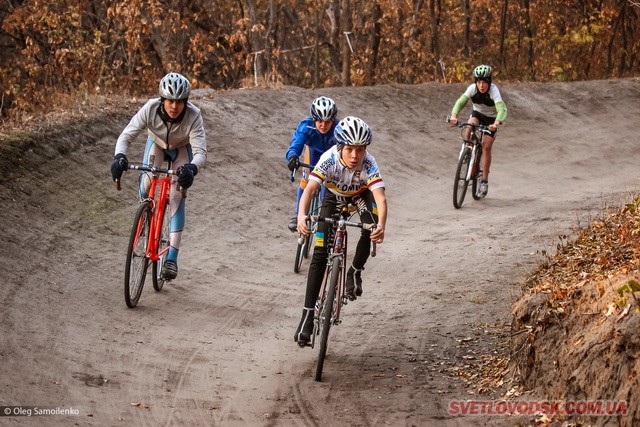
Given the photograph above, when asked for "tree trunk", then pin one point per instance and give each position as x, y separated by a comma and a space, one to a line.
255, 41
376, 37
334, 17
503, 31
270, 72
467, 28
316, 52
434, 12
529, 34
345, 26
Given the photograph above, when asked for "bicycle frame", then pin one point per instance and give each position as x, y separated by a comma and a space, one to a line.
158, 196
475, 144
337, 250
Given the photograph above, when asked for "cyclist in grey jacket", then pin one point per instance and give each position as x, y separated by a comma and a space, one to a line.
175, 132
488, 109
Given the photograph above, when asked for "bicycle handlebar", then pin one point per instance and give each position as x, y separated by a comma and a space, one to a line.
482, 128
154, 170
341, 221
300, 165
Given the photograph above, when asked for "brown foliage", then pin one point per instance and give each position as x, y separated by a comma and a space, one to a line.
125, 46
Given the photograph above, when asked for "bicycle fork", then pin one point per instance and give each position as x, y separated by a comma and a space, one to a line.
472, 159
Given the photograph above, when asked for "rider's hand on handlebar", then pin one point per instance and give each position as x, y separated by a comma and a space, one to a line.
377, 235
186, 173
453, 119
303, 227
118, 166
294, 163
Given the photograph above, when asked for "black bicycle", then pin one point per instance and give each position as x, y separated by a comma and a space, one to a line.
303, 248
469, 168
332, 294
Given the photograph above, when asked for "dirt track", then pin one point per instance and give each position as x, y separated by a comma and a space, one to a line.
216, 347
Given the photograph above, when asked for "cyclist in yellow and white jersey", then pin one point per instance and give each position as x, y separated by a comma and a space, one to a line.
351, 175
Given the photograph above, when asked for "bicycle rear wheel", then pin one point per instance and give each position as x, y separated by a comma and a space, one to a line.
163, 243
477, 175
137, 261
461, 183
326, 315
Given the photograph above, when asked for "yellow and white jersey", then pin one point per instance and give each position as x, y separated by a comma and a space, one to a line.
343, 181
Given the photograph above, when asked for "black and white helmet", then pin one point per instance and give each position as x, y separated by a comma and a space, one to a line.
352, 131
482, 72
174, 86
324, 109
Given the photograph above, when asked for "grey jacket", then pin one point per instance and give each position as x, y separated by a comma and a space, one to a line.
168, 136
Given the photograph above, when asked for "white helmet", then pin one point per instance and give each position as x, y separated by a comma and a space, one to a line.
352, 131
324, 109
174, 86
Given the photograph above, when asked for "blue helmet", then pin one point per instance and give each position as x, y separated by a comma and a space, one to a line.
352, 131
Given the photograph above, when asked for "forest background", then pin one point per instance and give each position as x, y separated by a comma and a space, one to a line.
78, 48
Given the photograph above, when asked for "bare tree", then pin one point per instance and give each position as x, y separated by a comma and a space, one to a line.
434, 12
503, 31
467, 28
345, 26
375, 39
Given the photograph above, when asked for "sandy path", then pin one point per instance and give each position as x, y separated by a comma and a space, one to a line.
216, 347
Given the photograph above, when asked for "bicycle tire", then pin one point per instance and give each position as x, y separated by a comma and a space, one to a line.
303, 250
307, 244
137, 262
300, 254
315, 206
165, 240
461, 183
477, 174
327, 313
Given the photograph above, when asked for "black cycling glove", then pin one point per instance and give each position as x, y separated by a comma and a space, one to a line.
119, 165
294, 163
186, 173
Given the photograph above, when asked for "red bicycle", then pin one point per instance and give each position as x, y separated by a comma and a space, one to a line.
150, 234
332, 294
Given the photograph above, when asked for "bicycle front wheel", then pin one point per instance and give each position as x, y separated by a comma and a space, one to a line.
326, 315
476, 176
137, 261
461, 183
301, 253
163, 244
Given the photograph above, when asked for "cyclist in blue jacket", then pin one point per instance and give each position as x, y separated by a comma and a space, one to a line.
316, 132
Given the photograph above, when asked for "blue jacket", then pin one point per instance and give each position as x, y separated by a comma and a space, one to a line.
307, 134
